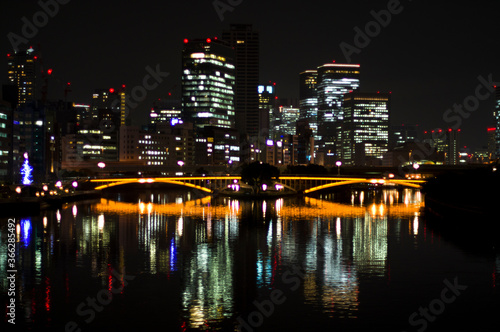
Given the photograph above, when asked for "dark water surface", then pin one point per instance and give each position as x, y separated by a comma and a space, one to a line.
351, 261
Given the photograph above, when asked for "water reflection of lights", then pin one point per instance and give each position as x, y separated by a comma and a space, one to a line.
25, 231
415, 224
100, 222
314, 208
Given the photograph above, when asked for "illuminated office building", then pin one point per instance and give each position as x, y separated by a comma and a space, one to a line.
5, 140
288, 119
159, 116
334, 81
309, 99
217, 147
21, 72
402, 134
171, 144
364, 131
208, 80
267, 105
446, 144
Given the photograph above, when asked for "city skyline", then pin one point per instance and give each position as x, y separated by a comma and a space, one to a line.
413, 44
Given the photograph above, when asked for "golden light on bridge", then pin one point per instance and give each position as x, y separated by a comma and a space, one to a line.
210, 183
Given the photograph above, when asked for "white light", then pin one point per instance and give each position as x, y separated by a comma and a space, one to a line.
101, 164
74, 184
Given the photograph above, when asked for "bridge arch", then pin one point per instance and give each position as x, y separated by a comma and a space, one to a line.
150, 181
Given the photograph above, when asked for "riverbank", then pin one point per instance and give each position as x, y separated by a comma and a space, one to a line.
462, 207
29, 206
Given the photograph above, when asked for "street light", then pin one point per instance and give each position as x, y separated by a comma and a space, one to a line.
338, 163
181, 163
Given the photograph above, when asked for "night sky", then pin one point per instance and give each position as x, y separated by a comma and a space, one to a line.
429, 56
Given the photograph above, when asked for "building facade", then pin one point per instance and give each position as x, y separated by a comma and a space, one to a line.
364, 131
334, 81
21, 72
208, 81
308, 95
250, 120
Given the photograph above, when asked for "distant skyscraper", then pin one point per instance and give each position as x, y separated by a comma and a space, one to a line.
208, 80
208, 84
21, 72
288, 120
402, 134
452, 152
365, 128
267, 104
334, 81
496, 114
245, 41
309, 99
491, 143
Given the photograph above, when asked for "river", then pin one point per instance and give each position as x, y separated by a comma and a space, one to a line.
356, 260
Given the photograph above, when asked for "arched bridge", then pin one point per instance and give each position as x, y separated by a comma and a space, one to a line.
209, 184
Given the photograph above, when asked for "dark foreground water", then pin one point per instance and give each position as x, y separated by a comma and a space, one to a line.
356, 261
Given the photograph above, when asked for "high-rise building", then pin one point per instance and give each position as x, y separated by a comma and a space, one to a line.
288, 117
308, 93
36, 135
496, 114
365, 128
208, 80
21, 72
402, 134
334, 81
250, 119
208, 92
5, 140
267, 104
491, 132
452, 153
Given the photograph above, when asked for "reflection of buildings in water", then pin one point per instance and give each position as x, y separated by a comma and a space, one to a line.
208, 293
369, 242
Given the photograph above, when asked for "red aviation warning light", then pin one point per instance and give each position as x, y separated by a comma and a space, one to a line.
111, 90
49, 71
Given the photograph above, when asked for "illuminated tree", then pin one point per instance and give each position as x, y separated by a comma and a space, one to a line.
26, 171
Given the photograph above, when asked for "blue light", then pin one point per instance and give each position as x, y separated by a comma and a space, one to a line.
25, 231
26, 171
173, 255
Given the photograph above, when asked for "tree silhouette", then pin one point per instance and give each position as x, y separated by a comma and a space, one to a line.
257, 173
